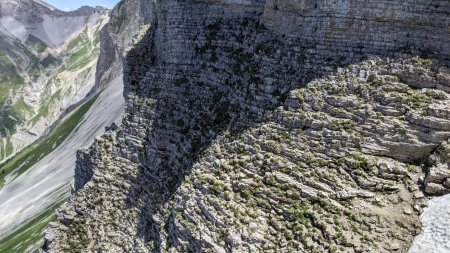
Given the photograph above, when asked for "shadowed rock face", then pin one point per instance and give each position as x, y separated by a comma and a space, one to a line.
437, 181
127, 26
246, 130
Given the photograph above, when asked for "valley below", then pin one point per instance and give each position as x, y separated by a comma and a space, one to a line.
48, 182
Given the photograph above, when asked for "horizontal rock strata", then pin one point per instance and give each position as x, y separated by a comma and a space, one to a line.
246, 131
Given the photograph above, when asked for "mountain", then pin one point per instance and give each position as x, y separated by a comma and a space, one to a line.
50, 107
268, 126
47, 65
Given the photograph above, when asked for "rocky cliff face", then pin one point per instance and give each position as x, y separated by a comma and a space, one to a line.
268, 126
44, 69
372, 27
127, 25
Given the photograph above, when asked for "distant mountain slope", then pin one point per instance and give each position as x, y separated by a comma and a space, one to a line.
47, 64
33, 182
51, 7
52, 26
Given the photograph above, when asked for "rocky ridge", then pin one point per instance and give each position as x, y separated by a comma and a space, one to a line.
127, 25
243, 133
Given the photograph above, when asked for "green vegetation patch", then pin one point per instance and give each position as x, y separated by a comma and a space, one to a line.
12, 115
49, 60
30, 234
81, 51
2, 151
31, 155
9, 77
36, 44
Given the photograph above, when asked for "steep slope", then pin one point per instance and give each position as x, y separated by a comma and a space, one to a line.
128, 23
44, 69
28, 200
278, 126
46, 75
47, 183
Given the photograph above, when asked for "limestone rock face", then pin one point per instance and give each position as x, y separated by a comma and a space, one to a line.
437, 180
245, 131
372, 26
128, 23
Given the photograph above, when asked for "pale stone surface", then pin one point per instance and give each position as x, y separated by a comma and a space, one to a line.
435, 234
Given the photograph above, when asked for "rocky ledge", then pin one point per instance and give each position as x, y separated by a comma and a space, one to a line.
245, 131
337, 167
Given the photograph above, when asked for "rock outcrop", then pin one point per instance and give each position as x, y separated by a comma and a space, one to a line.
127, 25
275, 126
437, 180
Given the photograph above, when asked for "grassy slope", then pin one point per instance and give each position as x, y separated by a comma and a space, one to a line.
80, 52
10, 80
31, 155
9, 77
29, 234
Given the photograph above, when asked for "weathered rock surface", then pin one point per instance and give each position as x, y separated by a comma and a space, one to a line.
127, 25
437, 179
278, 126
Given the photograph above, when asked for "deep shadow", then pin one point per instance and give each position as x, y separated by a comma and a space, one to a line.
228, 76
